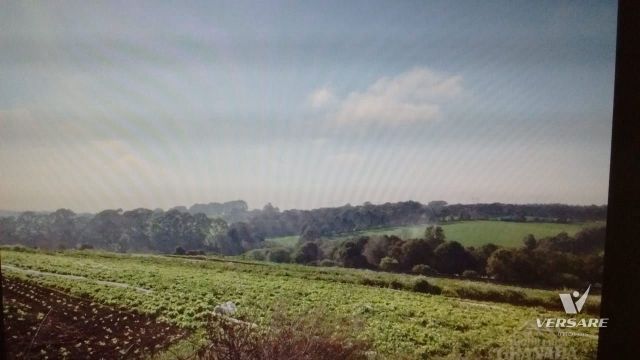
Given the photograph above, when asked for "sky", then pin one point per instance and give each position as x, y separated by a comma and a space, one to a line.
304, 104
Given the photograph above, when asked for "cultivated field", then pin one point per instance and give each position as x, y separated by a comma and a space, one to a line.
468, 233
181, 292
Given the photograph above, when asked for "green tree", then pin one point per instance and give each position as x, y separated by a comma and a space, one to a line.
529, 242
452, 258
414, 252
306, 253
434, 235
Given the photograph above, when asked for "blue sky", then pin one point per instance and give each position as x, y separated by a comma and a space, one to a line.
156, 104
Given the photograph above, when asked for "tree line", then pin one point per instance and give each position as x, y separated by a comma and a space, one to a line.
139, 230
554, 261
271, 222
231, 228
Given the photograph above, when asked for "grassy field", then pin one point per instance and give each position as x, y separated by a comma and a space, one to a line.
398, 321
468, 233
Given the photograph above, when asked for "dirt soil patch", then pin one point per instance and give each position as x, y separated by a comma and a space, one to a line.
45, 323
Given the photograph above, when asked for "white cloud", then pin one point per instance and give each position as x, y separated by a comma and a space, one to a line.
410, 97
322, 97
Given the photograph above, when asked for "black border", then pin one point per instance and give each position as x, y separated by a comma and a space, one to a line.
620, 301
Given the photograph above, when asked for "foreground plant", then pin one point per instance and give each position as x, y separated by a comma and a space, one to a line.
309, 337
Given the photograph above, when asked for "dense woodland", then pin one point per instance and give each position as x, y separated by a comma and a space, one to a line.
232, 229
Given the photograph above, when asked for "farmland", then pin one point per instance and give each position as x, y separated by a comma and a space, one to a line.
468, 233
42, 322
181, 291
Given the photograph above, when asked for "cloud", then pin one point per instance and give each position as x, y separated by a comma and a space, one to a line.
413, 96
321, 98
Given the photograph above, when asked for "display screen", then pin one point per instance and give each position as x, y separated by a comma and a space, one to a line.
304, 180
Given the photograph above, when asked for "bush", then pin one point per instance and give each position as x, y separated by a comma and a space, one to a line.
279, 256
421, 285
179, 251
471, 274
312, 337
395, 284
327, 263
85, 247
389, 264
373, 282
422, 269
20, 248
256, 254
306, 253
194, 252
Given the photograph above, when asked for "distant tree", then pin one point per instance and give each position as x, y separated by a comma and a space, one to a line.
434, 235
500, 264
307, 253
414, 252
590, 240
241, 233
105, 231
530, 242
480, 256
167, 230
309, 233
8, 230
349, 253
137, 227
31, 229
216, 238
180, 251
515, 266
488, 249
61, 228
452, 258
378, 247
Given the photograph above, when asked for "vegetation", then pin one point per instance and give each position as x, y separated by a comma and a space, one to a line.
398, 318
231, 228
468, 233
555, 261
309, 337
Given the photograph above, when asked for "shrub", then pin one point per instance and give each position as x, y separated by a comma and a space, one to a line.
327, 263
279, 256
194, 252
85, 247
307, 253
422, 269
389, 264
256, 254
423, 286
472, 274
373, 282
179, 251
20, 248
312, 337
395, 284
